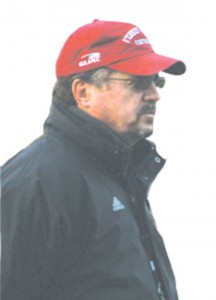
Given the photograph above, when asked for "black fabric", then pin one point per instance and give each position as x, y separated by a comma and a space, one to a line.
76, 222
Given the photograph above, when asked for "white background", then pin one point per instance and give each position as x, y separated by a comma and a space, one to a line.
183, 196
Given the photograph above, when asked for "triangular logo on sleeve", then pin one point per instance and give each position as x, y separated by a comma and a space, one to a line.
117, 204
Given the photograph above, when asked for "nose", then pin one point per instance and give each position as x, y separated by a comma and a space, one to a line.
151, 94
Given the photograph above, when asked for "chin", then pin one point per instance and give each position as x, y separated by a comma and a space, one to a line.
145, 133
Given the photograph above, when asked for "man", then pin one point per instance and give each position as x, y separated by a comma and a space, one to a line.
77, 223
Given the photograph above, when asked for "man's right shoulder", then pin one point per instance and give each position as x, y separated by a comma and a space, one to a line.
44, 156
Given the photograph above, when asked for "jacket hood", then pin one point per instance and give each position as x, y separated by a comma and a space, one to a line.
101, 142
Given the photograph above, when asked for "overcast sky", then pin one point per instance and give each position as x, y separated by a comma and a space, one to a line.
183, 196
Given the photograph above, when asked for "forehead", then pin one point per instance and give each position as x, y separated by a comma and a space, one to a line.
121, 74
127, 75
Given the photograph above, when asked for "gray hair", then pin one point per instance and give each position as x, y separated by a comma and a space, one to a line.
62, 92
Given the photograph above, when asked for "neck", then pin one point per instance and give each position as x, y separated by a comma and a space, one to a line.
130, 138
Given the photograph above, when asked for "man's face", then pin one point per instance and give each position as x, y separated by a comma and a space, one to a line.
126, 106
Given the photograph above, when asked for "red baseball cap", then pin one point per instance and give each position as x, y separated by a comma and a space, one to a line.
117, 45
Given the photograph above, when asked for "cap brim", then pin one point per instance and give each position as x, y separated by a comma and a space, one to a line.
149, 64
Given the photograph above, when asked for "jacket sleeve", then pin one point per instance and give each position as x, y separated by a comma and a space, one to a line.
41, 232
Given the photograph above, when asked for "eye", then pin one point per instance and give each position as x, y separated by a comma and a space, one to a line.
159, 81
142, 83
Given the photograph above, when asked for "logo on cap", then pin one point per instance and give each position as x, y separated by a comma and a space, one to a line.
130, 34
90, 59
142, 42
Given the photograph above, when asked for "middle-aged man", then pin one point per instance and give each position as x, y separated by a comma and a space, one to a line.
76, 220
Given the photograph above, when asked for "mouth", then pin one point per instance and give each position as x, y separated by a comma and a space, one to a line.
150, 112
149, 109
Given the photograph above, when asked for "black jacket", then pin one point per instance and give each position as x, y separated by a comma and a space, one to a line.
76, 222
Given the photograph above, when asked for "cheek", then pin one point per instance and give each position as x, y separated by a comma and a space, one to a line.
131, 111
98, 105
126, 116
117, 109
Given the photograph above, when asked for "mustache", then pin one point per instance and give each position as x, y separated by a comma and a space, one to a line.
147, 108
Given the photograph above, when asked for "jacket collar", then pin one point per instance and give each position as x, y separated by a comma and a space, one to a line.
104, 146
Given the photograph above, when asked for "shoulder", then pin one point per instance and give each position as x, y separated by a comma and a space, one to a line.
46, 173
45, 156
42, 189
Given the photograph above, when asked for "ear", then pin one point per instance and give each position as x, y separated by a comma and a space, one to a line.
80, 90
